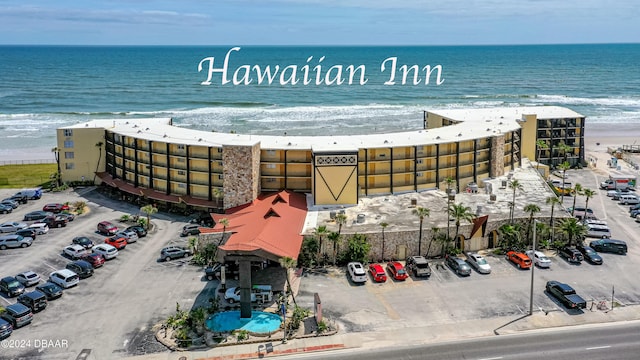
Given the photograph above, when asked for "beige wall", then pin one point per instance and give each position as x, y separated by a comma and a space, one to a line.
84, 151
529, 126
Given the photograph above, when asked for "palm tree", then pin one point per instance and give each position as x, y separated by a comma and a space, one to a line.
384, 226
564, 149
334, 237
225, 223
573, 229
515, 185
460, 212
341, 219
289, 263
217, 194
420, 212
588, 194
434, 235
149, 210
541, 145
532, 209
509, 236
193, 245
56, 155
564, 167
553, 201
319, 232
577, 190
449, 181
99, 146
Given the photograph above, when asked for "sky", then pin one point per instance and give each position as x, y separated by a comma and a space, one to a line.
317, 22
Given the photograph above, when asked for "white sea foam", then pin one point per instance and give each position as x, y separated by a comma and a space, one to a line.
569, 100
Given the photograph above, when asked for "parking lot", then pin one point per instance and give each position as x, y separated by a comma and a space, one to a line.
109, 314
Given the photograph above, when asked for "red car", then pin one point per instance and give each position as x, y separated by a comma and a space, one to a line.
397, 270
55, 208
377, 273
96, 260
107, 228
117, 242
521, 260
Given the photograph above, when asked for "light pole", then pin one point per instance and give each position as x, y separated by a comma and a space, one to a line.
533, 267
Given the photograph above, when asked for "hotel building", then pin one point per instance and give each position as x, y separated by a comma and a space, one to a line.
152, 158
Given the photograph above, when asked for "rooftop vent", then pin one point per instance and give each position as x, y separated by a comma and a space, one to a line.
437, 137
200, 139
289, 144
165, 135
386, 141
460, 134
139, 131
147, 129
488, 129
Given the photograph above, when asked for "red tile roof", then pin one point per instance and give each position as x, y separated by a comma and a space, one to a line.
272, 223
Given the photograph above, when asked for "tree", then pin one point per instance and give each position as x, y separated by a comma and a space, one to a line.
289, 263
341, 219
532, 209
334, 237
358, 248
514, 184
319, 232
563, 167
540, 145
460, 212
588, 194
577, 190
449, 181
384, 226
573, 230
217, 194
56, 155
421, 213
149, 210
510, 236
193, 245
435, 232
99, 146
553, 201
564, 149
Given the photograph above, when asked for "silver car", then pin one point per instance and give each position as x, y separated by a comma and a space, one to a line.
10, 227
14, 241
479, 263
130, 235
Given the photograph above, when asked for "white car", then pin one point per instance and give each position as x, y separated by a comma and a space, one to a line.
75, 251
130, 235
107, 251
10, 227
40, 228
232, 295
28, 278
479, 263
357, 272
539, 258
64, 278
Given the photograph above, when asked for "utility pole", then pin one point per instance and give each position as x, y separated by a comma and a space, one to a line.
533, 268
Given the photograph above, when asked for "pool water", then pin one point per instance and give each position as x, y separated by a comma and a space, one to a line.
260, 322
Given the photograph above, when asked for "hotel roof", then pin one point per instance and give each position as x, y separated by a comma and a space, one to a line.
475, 123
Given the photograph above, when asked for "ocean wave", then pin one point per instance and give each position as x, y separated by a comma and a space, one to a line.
570, 100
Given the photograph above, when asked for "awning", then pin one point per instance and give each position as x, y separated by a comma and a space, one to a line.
126, 187
189, 200
161, 196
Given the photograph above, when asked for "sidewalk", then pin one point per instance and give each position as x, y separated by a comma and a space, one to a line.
422, 335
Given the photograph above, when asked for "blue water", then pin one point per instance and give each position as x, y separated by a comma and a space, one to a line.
260, 322
45, 87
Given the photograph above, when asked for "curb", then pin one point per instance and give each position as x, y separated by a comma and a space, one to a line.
262, 353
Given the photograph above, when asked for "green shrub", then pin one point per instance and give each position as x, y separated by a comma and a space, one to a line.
241, 335
322, 327
125, 218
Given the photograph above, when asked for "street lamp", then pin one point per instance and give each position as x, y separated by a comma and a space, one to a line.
533, 267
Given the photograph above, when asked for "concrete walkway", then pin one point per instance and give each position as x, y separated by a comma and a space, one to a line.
422, 335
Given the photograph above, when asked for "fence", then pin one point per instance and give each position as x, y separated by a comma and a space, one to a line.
26, 162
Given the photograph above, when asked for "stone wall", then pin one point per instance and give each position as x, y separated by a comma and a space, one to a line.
241, 174
497, 156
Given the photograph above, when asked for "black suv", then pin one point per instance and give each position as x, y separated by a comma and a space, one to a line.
27, 232
21, 199
572, 255
11, 286
84, 269
55, 221
34, 300
609, 245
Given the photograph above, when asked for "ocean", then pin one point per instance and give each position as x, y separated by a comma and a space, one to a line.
46, 87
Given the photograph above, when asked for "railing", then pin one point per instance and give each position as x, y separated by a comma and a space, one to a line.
25, 162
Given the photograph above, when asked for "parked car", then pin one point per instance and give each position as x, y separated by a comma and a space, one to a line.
566, 295
539, 259
14, 204
18, 315
36, 215
6, 209
130, 235
589, 254
598, 231
377, 273
40, 228
22, 199
610, 246
116, 241
174, 252
615, 194
232, 295
96, 260
107, 251
27, 232
213, 272
629, 199
479, 263
139, 230
14, 241
64, 278
458, 265
31, 194
190, 229
11, 287
356, 272
75, 251
50, 290
67, 216
418, 265
34, 300
521, 260
83, 268
55, 221
570, 254
10, 227
83, 241
107, 228
55, 208
5, 329
28, 278
397, 271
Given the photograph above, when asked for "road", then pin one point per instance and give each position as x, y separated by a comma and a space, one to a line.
618, 341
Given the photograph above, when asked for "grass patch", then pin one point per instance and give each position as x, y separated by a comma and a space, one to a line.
25, 176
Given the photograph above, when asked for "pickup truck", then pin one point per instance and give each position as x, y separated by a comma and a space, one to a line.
566, 295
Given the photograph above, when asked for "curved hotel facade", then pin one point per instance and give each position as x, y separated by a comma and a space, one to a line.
152, 158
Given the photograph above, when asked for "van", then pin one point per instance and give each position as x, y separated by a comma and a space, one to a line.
598, 231
34, 300
32, 194
629, 199
609, 245
65, 278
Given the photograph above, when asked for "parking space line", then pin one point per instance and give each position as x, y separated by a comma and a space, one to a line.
49, 265
5, 300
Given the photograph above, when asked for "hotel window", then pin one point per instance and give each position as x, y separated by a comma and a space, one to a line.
68, 155
68, 132
271, 166
182, 186
271, 152
180, 147
68, 144
220, 177
181, 172
271, 180
180, 160
69, 166
116, 138
419, 161
219, 150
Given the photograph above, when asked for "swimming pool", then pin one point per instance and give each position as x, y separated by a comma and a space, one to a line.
260, 322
